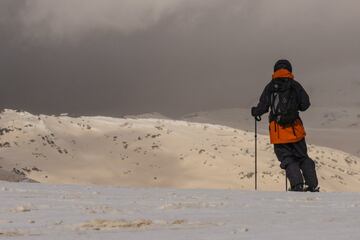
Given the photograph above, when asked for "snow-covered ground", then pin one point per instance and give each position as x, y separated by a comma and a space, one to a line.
41, 211
153, 159
130, 152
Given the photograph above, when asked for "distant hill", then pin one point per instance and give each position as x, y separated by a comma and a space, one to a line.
152, 153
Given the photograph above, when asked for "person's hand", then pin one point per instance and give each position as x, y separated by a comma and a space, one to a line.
254, 112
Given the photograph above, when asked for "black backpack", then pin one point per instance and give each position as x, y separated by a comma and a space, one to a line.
284, 102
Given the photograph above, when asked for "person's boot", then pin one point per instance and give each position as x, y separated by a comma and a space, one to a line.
312, 189
297, 188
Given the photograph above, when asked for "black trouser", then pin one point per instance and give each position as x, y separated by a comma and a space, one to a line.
298, 165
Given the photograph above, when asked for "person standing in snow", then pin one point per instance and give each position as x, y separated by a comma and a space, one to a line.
285, 97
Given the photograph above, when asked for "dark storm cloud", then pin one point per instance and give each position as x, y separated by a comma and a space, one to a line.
172, 56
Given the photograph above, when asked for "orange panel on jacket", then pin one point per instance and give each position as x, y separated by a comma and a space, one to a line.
291, 134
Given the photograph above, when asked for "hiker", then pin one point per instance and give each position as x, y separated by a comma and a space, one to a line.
285, 97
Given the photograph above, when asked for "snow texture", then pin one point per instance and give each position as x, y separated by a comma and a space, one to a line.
137, 152
42, 211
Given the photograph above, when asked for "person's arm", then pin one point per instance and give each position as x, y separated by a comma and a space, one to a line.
304, 100
263, 105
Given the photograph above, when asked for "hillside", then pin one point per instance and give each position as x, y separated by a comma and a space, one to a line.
152, 153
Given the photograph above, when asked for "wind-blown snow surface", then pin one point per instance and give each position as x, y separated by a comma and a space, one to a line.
41, 211
152, 153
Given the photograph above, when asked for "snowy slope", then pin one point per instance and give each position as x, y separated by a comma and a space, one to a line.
152, 153
41, 211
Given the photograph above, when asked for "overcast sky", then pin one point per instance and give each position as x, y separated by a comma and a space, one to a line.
116, 57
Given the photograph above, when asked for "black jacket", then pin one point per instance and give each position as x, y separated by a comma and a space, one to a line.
264, 103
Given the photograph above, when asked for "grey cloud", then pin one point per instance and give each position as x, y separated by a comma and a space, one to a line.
172, 56
70, 19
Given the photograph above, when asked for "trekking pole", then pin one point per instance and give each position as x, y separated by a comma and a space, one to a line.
258, 118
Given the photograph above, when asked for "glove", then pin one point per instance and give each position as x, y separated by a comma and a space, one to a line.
254, 112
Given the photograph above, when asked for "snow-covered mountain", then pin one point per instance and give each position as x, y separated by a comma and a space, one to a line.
152, 153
